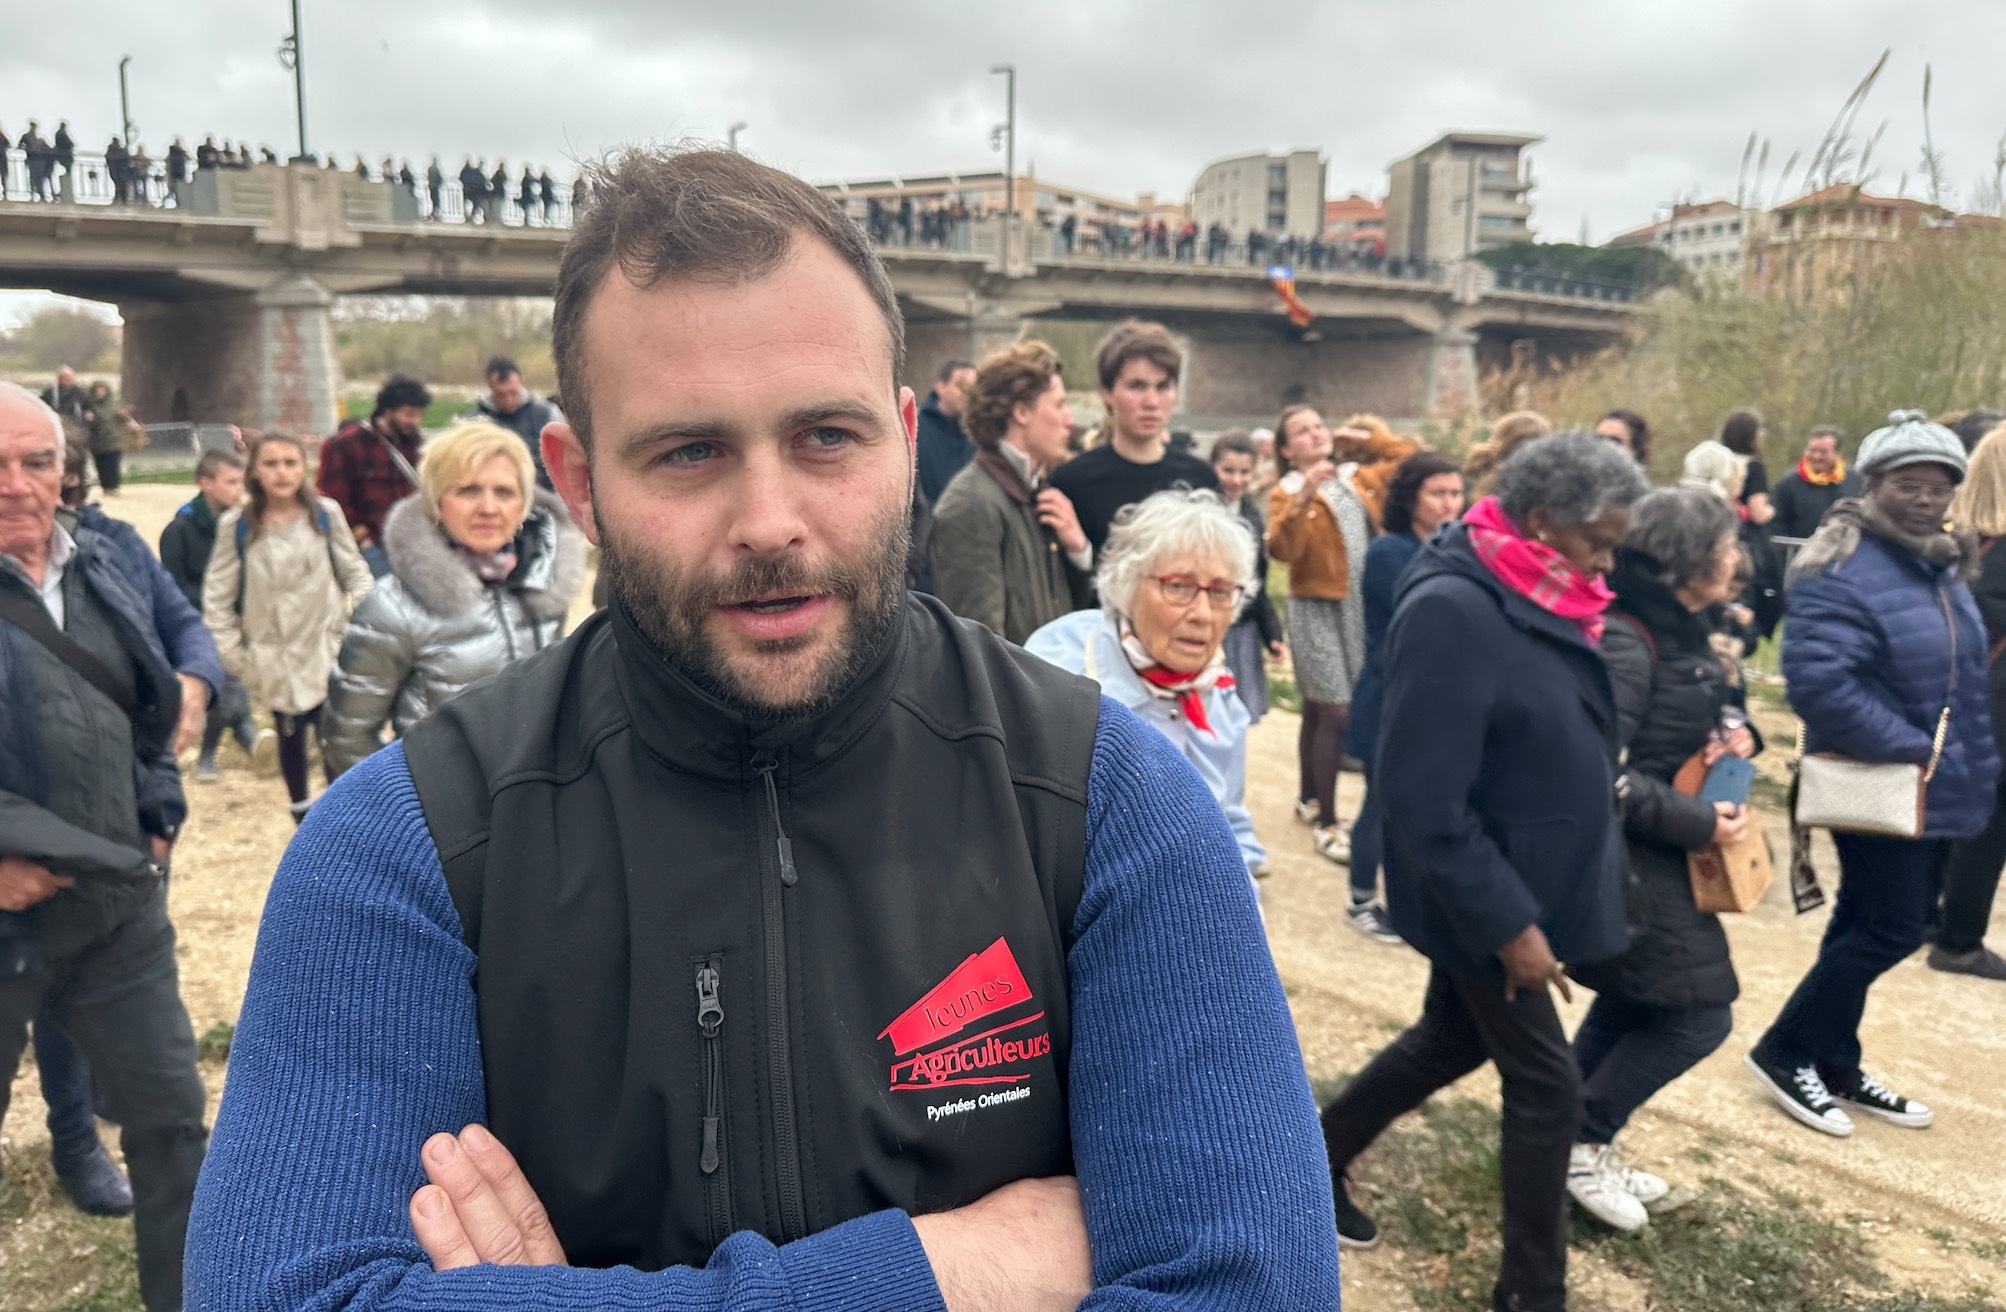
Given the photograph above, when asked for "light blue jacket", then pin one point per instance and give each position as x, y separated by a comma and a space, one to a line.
1087, 642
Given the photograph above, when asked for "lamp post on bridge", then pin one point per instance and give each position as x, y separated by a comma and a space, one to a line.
290, 58
124, 103
1007, 130
731, 133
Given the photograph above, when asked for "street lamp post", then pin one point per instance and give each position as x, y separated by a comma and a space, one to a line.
731, 134
291, 57
124, 102
1009, 130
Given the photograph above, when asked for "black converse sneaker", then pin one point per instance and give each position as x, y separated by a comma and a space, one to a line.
1371, 920
1803, 1094
1354, 1228
1876, 1099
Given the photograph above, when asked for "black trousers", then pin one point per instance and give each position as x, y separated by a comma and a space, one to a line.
109, 465
111, 984
1971, 881
1630, 1050
1464, 1023
1885, 910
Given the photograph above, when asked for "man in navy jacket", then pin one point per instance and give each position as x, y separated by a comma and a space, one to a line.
90, 804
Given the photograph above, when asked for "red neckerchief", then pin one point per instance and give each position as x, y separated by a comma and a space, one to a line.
1190, 695
1815, 479
1536, 571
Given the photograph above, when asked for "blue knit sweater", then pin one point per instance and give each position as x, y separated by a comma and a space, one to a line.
1200, 1161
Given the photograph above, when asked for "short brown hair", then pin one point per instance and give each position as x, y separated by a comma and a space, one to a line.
1234, 442
1133, 339
711, 215
1016, 375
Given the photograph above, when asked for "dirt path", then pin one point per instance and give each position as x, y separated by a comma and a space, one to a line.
1921, 1199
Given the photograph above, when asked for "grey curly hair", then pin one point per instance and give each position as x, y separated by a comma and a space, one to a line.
1162, 525
1574, 476
1680, 529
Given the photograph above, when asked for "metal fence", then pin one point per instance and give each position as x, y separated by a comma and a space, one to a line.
179, 446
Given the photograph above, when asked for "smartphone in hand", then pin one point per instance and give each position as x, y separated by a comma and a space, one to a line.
1728, 780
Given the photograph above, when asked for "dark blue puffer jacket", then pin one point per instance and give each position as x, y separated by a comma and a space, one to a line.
1867, 654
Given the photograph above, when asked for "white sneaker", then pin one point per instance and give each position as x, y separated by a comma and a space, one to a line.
1306, 813
1595, 1180
1643, 1186
1332, 843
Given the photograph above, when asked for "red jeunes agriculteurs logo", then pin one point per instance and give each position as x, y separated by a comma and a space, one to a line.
931, 1038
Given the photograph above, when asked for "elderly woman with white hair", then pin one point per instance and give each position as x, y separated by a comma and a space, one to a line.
483, 567
1175, 570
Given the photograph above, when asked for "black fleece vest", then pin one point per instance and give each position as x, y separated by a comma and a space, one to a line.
735, 977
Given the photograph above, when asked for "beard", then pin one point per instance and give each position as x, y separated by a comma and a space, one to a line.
673, 609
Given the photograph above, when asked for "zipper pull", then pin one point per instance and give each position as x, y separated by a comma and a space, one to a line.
707, 1162
766, 765
710, 1011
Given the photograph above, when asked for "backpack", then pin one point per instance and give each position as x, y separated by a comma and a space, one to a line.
243, 535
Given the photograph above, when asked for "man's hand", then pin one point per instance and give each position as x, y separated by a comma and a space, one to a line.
1277, 650
1055, 512
23, 883
479, 1207
1022, 1248
194, 707
1529, 964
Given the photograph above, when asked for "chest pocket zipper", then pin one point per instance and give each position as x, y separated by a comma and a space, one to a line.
711, 1155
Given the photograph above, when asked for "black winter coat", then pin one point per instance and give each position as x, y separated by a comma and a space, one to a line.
1497, 769
1670, 689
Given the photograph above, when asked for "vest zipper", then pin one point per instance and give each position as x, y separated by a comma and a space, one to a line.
779, 1052
710, 1027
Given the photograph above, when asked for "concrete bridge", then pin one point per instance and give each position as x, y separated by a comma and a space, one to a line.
226, 300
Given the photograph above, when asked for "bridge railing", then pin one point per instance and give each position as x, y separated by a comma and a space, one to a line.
1047, 243
1574, 286
88, 181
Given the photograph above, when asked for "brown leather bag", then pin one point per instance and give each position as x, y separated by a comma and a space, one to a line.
1730, 877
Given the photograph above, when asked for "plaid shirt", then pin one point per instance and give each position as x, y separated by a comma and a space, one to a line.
357, 471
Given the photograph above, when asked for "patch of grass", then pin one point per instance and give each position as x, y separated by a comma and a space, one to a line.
1699, 1156
214, 1045
1942, 1235
1432, 1184
116, 1286
1989, 1250
1788, 1159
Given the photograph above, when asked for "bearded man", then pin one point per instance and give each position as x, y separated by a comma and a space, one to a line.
777, 940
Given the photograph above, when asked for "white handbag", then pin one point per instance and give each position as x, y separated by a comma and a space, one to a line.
1867, 797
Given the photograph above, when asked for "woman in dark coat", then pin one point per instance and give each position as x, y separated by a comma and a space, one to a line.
1741, 433
1425, 493
1885, 651
1503, 849
1663, 1005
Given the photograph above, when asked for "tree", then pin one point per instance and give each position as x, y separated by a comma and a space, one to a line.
62, 335
1640, 266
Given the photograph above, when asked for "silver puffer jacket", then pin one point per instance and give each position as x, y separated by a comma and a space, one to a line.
431, 627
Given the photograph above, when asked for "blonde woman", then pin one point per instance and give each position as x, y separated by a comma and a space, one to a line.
483, 567
280, 583
1507, 436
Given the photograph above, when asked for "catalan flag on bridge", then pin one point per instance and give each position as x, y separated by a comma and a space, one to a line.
1284, 279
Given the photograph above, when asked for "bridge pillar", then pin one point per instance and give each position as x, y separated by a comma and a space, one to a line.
1452, 375
263, 360
929, 342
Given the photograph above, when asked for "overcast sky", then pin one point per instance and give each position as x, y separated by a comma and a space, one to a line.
1640, 101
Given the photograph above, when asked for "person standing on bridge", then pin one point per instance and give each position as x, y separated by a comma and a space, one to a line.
511, 404
435, 187
1138, 365
368, 468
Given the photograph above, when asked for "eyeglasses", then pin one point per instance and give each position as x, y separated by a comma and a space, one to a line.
1182, 590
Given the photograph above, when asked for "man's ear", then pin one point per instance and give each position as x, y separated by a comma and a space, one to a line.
570, 469
909, 416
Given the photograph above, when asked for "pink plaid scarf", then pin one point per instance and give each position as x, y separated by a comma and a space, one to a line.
1536, 571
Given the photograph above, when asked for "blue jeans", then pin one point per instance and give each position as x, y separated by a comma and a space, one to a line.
1885, 909
1368, 845
1630, 1050
66, 1088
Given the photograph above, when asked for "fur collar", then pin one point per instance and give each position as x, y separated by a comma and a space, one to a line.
547, 575
1838, 537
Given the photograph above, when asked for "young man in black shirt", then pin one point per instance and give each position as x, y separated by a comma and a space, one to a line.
1138, 365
